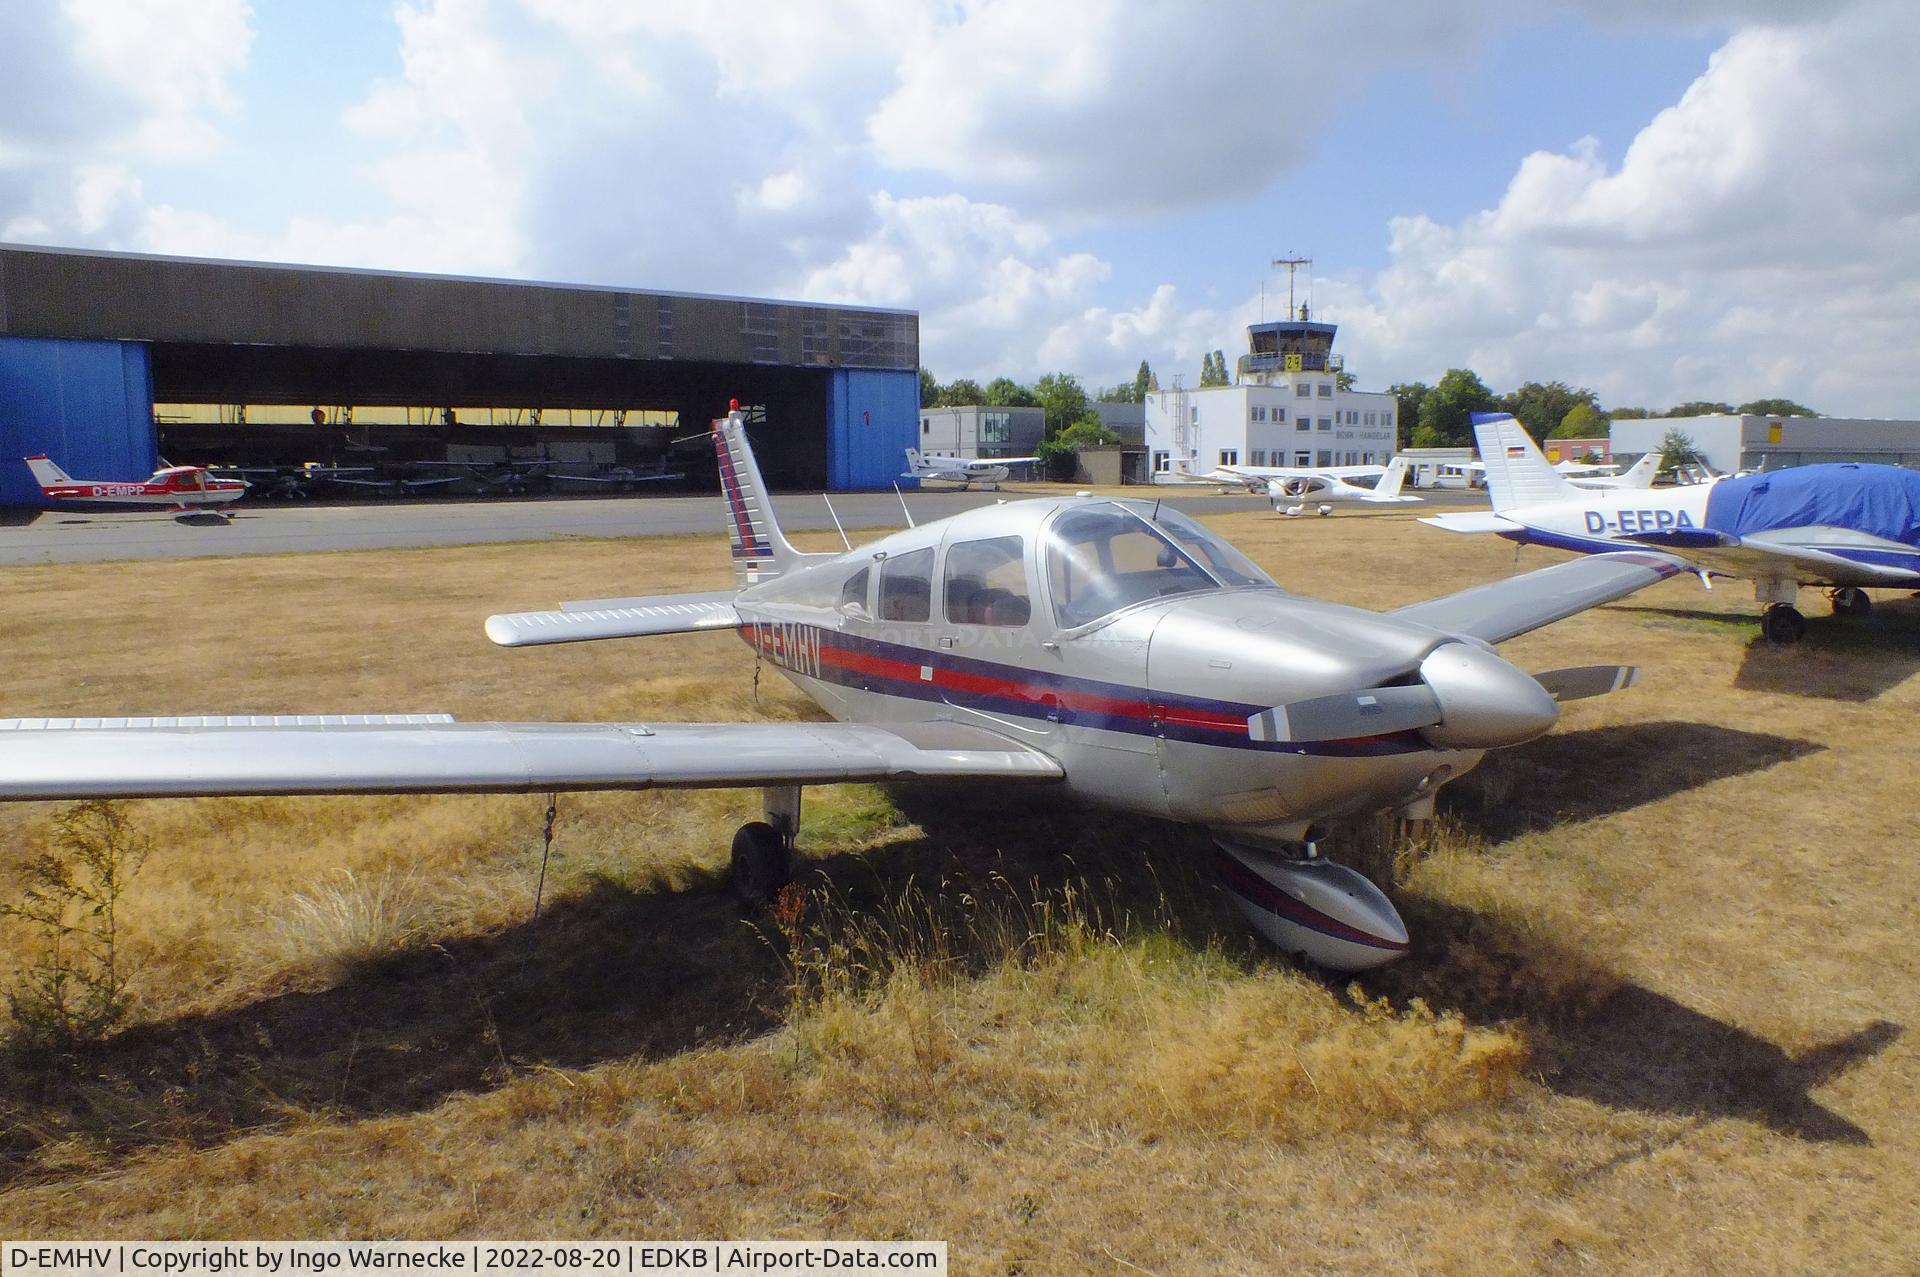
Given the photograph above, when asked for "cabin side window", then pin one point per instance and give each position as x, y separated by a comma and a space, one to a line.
986, 582
854, 593
906, 586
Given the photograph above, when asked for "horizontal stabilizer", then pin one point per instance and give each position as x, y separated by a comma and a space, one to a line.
1472, 522
1580, 682
589, 619
74, 758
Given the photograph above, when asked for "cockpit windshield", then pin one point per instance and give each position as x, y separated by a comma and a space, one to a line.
1101, 558
1213, 553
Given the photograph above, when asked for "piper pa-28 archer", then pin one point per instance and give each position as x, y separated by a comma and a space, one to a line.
1116, 648
1846, 526
988, 472
186, 491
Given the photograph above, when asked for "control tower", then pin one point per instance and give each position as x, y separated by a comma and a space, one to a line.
1286, 346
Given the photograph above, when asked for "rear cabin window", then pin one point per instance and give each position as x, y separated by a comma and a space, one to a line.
854, 593
906, 586
987, 582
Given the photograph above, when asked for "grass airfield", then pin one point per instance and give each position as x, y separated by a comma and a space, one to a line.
1656, 1020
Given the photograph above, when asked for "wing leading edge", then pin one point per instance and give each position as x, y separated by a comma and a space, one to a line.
411, 754
1501, 610
588, 619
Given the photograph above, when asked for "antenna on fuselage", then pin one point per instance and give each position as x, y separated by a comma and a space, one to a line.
903, 505
836, 521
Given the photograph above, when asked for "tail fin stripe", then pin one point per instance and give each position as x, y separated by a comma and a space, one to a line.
748, 543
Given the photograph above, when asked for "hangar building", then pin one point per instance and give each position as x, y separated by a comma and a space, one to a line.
1752, 442
90, 341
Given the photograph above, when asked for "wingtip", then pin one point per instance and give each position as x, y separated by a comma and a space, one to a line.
503, 631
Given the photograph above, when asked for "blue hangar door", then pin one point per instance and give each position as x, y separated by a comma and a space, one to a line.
873, 417
86, 404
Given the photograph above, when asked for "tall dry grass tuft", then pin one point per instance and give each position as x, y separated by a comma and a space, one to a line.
1070, 999
334, 927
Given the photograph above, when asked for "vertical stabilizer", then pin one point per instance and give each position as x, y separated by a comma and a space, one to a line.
46, 473
1641, 476
1517, 474
1389, 484
914, 463
760, 552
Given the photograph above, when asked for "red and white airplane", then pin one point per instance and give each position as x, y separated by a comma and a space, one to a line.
183, 490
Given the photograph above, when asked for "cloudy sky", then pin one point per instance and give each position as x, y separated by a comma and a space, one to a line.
1660, 199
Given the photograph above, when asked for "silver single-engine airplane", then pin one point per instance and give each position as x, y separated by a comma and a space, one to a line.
988, 472
1116, 648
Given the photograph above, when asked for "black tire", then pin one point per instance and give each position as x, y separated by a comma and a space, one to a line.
760, 864
1783, 625
1851, 600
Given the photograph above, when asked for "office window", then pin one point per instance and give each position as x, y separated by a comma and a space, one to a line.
1303, 458
1279, 414
1259, 456
1257, 413
1303, 423
926, 426
1229, 456
1162, 461
1370, 420
996, 428
1326, 390
1326, 423
1302, 390
1326, 457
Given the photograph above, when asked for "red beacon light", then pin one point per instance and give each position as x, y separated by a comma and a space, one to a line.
733, 405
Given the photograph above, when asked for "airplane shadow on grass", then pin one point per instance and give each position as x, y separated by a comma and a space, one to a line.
1841, 658
618, 974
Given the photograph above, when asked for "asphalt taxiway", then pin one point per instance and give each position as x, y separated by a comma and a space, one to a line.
272, 528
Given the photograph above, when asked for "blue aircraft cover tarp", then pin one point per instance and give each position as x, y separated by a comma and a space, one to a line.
1883, 501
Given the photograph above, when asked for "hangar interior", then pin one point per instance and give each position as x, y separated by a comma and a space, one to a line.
261, 365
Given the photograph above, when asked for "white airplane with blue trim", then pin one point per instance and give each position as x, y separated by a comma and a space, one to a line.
1844, 527
1115, 648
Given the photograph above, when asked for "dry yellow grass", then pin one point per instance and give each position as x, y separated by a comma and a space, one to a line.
1655, 1021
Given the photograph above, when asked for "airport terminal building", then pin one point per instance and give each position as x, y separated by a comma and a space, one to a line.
266, 364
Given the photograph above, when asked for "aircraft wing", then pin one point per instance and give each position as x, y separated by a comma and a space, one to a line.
1306, 472
414, 754
1476, 521
992, 463
1767, 556
586, 619
1502, 609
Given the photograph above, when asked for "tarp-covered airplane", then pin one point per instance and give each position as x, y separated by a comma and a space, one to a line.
988, 472
181, 490
1846, 527
1291, 488
1116, 648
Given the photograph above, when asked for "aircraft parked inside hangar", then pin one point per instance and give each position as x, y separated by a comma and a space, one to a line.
1846, 527
1117, 648
988, 472
185, 491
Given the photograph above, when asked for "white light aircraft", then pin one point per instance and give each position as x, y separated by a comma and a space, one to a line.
1299, 485
1845, 527
988, 472
1115, 648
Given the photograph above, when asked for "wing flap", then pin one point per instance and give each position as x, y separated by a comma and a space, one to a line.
589, 619
1502, 609
70, 758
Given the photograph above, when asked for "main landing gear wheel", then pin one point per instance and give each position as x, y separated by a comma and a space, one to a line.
1783, 624
1851, 600
761, 864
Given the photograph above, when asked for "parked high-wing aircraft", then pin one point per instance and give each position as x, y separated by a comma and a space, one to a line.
1846, 527
1298, 485
1116, 648
182, 490
988, 472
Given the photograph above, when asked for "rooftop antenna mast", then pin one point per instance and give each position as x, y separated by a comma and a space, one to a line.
1292, 264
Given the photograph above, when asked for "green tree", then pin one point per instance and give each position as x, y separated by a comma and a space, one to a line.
1005, 392
929, 389
1410, 395
1065, 400
1446, 410
1677, 448
1542, 406
1628, 414
1213, 370
1697, 408
1583, 421
962, 392
1144, 383
1344, 379
1057, 454
1777, 408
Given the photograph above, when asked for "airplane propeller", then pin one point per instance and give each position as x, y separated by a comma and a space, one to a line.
1466, 698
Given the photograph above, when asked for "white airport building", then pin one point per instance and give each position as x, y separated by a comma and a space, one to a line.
1286, 408
1750, 442
981, 431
